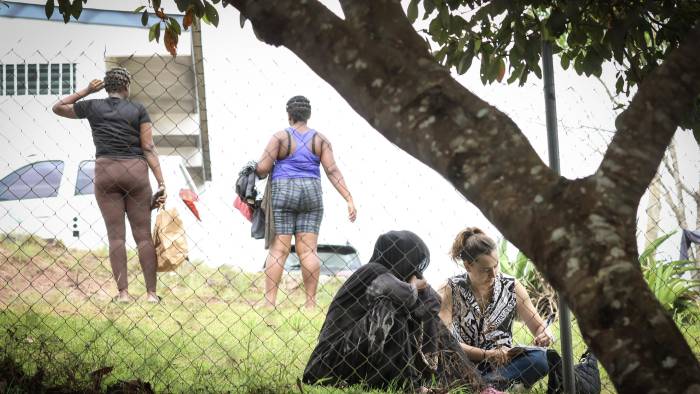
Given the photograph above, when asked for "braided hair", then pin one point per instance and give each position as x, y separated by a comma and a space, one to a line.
117, 79
299, 108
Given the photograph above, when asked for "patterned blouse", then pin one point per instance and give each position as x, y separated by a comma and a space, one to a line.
493, 327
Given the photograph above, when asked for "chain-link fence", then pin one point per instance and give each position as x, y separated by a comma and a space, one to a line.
234, 316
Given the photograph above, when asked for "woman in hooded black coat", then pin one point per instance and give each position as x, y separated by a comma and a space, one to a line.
382, 328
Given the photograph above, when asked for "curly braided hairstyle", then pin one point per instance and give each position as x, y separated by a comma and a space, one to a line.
299, 108
471, 243
117, 79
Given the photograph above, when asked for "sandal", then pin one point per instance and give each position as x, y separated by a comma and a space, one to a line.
157, 301
118, 300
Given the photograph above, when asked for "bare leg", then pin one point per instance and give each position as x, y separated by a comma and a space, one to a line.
310, 265
112, 206
138, 210
274, 266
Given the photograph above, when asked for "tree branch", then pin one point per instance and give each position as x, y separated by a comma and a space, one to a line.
647, 126
677, 209
416, 104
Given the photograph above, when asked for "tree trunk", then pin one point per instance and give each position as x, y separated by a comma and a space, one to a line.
580, 233
653, 211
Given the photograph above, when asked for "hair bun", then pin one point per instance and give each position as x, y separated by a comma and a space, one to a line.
471, 231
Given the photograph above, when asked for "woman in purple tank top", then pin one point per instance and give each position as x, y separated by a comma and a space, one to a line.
294, 157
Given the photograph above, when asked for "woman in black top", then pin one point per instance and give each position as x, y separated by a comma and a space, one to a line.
122, 133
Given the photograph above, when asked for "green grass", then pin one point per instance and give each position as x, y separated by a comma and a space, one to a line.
208, 335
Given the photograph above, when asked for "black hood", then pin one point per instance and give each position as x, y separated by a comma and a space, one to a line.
403, 253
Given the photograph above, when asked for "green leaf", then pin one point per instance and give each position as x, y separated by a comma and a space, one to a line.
144, 18
537, 70
501, 70
183, 5
139, 9
556, 23
435, 28
484, 70
156, 4
464, 63
48, 8
445, 18
592, 63
651, 249
565, 61
578, 64
76, 8
619, 85
211, 13
515, 74
175, 26
154, 32
440, 55
412, 12
523, 77
494, 69
429, 6
64, 9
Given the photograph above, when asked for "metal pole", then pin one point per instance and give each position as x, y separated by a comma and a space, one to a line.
550, 102
200, 96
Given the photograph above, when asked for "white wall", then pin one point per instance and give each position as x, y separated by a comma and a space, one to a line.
27, 122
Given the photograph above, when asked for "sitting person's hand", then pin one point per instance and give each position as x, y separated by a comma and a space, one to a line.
497, 357
419, 284
544, 338
388, 285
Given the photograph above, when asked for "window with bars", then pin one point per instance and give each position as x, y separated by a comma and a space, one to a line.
37, 78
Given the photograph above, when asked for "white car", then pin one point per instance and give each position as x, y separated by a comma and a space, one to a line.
53, 198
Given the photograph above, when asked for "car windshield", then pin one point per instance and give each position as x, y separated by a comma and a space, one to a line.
332, 261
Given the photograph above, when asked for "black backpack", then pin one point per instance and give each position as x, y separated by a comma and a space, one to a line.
586, 374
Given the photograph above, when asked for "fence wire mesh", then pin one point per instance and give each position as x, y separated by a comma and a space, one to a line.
235, 317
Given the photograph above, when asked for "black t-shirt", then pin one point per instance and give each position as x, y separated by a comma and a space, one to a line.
115, 125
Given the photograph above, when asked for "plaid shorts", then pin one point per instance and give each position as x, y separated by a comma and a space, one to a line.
297, 205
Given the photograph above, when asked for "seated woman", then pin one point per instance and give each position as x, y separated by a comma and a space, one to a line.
479, 307
383, 329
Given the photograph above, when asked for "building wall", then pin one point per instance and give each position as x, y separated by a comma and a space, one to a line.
28, 120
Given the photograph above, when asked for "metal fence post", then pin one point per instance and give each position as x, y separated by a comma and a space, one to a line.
553, 148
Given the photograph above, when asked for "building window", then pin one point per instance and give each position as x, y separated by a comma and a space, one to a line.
43, 79
85, 182
31, 79
65, 78
10, 79
55, 79
21, 79
35, 78
37, 180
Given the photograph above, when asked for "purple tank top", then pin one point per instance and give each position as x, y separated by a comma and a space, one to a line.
302, 163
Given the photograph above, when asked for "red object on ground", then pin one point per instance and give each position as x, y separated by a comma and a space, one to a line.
244, 208
189, 198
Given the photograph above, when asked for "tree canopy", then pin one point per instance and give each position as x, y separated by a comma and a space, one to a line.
635, 36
